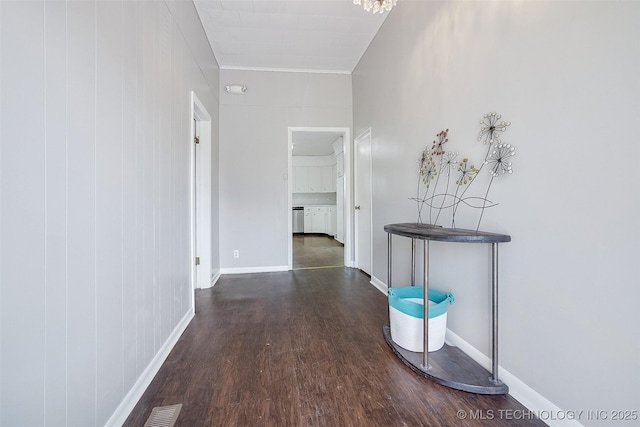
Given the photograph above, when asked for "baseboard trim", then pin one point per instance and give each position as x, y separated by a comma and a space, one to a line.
540, 406
379, 285
518, 389
135, 393
244, 270
215, 277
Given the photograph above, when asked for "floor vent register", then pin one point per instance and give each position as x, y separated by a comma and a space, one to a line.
163, 416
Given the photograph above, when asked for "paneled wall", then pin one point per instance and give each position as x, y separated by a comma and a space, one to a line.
94, 198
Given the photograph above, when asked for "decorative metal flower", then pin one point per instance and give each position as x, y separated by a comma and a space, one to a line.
448, 163
497, 160
428, 170
423, 159
491, 129
467, 172
436, 148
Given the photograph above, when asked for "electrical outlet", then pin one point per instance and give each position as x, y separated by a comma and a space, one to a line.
236, 253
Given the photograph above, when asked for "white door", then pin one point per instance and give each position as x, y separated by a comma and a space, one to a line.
196, 203
362, 201
202, 234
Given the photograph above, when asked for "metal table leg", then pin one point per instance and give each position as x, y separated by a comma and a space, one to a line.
388, 260
425, 354
494, 313
413, 262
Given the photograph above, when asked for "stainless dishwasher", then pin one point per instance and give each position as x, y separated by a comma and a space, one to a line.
298, 219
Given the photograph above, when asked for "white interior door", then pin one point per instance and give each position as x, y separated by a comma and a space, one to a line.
196, 205
201, 227
202, 234
362, 201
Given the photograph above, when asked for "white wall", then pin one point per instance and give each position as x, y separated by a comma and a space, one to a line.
566, 75
254, 157
94, 198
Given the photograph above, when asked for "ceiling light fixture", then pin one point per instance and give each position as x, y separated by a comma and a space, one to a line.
377, 6
235, 89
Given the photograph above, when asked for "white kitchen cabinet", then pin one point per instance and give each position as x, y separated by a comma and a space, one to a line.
331, 229
320, 219
300, 179
328, 182
313, 179
307, 220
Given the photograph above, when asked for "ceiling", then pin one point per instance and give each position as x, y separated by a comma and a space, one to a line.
313, 143
288, 35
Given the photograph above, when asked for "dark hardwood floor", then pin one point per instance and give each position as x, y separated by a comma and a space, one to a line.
316, 250
303, 348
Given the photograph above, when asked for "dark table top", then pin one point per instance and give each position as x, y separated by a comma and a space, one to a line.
433, 232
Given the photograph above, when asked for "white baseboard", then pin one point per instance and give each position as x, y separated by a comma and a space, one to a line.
131, 399
215, 277
551, 414
378, 284
243, 270
528, 397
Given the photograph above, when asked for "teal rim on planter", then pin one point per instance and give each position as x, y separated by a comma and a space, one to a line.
398, 300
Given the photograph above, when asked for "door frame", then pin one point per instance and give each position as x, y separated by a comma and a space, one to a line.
348, 196
366, 135
200, 189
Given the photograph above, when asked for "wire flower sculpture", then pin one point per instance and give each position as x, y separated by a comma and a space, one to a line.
448, 163
498, 164
436, 148
491, 129
423, 160
428, 170
496, 159
467, 172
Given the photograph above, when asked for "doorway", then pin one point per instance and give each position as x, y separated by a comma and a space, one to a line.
201, 223
319, 168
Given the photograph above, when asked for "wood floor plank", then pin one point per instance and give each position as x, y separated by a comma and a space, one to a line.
302, 348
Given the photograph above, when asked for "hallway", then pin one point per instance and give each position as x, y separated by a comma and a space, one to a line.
303, 348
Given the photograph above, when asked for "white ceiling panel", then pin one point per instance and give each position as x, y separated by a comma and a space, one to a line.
296, 35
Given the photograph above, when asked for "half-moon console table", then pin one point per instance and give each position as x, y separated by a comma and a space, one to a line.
449, 366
